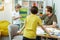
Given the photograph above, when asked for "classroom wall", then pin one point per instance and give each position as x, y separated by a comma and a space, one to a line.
7, 13
49, 2
1, 15
57, 7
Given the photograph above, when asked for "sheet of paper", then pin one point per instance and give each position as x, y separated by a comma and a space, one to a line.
40, 31
54, 31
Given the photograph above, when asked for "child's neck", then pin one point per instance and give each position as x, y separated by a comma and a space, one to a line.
16, 10
33, 14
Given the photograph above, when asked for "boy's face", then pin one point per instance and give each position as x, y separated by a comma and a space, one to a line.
17, 9
47, 13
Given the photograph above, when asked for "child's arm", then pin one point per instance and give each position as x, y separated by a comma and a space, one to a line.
21, 30
14, 18
22, 27
45, 30
40, 24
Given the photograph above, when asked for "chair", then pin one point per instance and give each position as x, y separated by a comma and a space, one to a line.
12, 29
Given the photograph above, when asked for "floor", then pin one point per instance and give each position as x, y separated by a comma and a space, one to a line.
20, 37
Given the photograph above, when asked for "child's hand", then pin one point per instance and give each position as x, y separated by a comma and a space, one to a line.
20, 16
53, 36
19, 32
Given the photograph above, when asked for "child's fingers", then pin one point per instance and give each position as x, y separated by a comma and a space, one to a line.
18, 31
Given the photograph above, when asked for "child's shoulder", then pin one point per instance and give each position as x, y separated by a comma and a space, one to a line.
27, 16
37, 16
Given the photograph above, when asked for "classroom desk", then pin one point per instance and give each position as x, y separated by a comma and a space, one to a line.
47, 36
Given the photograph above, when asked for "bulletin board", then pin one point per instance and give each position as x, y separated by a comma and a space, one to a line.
1, 5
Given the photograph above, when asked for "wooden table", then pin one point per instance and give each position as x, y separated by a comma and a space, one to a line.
47, 36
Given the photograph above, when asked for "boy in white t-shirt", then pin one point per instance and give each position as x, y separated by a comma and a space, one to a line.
16, 16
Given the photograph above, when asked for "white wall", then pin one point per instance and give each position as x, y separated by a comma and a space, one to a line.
49, 2
8, 11
1, 15
57, 7
6, 14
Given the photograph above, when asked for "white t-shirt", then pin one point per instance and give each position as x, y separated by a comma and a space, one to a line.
16, 14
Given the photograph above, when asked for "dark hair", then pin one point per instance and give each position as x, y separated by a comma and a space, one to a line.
49, 9
18, 6
34, 10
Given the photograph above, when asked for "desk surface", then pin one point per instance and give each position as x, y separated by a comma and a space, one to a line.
47, 36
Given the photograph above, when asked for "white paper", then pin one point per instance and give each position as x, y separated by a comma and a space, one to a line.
40, 31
